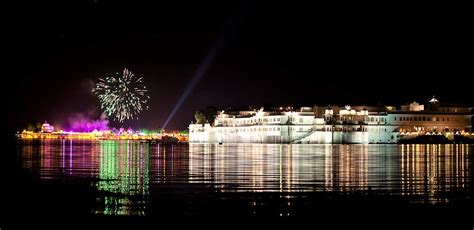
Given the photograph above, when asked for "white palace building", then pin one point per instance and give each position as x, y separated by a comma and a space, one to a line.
333, 124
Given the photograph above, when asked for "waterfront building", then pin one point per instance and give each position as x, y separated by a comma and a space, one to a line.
334, 124
47, 128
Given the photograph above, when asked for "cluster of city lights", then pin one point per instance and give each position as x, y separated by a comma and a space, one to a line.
447, 134
104, 135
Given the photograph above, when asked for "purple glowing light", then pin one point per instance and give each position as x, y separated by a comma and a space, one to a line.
80, 123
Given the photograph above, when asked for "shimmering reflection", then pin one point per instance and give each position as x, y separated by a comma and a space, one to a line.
281, 168
124, 178
126, 175
423, 172
51, 159
120, 169
432, 171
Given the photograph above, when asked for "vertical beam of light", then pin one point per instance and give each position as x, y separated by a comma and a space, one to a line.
228, 32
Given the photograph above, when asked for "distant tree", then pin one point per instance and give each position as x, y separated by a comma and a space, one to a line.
210, 112
38, 126
207, 115
200, 117
30, 127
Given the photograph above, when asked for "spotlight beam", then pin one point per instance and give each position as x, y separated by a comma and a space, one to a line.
229, 31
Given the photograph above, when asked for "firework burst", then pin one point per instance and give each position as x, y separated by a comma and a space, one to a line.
123, 96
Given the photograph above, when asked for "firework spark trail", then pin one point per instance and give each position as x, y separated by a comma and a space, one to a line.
122, 96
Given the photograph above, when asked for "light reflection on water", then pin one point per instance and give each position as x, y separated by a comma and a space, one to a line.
405, 169
124, 172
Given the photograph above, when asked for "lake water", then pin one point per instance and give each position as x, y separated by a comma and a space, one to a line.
129, 178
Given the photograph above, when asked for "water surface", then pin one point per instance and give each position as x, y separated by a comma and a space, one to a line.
129, 178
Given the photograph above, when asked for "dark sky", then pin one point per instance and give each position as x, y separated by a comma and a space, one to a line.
279, 53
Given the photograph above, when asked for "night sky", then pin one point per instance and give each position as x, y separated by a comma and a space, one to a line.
271, 54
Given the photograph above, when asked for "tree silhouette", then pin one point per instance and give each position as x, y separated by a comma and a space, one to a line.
200, 117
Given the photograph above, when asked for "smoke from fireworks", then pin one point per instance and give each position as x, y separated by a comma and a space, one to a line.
82, 123
123, 96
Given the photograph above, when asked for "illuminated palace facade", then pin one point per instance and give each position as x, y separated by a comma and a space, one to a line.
333, 124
